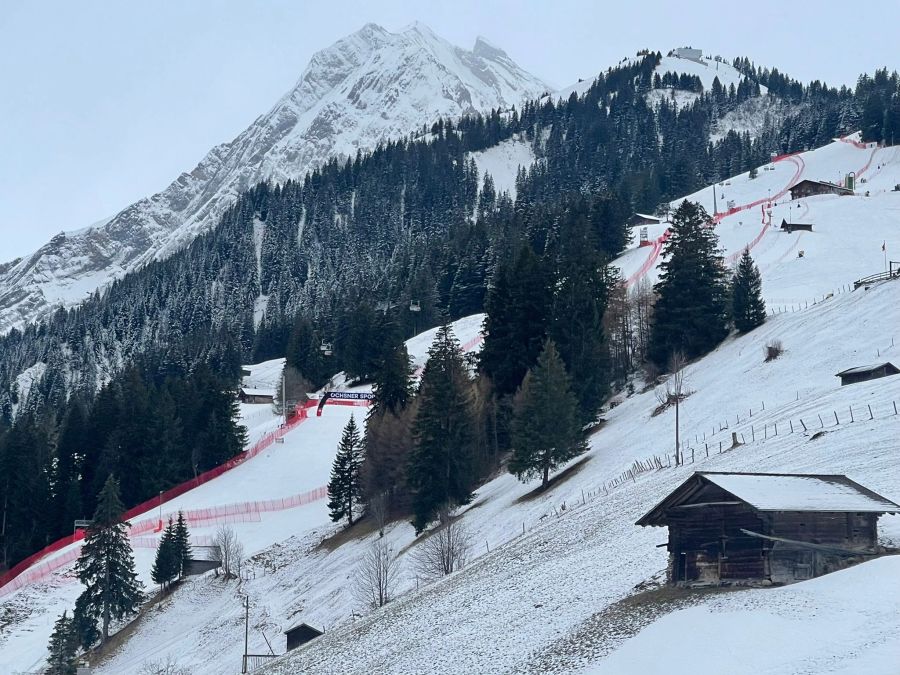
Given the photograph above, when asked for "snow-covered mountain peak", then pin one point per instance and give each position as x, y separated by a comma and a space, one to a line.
366, 88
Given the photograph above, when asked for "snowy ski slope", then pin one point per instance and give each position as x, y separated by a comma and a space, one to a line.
847, 235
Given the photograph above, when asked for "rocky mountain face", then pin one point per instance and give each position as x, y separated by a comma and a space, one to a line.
366, 88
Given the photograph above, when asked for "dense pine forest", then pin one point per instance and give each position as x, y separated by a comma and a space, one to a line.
137, 382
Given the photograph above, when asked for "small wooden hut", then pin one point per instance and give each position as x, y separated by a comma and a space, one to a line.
865, 373
758, 528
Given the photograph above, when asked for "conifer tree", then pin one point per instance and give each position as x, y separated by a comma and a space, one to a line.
106, 565
691, 311
547, 429
345, 487
182, 545
518, 318
748, 307
439, 470
63, 646
393, 382
165, 566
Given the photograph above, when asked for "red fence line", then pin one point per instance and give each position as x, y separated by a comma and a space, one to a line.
656, 246
263, 443
241, 512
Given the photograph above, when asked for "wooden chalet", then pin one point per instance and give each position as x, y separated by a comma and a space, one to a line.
791, 227
759, 528
250, 395
864, 373
810, 188
300, 635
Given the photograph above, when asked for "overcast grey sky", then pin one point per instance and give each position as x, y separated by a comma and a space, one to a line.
102, 103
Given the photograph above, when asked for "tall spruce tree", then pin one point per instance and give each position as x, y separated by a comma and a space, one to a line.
691, 310
63, 647
439, 470
106, 565
547, 429
393, 382
345, 486
579, 303
519, 311
748, 307
165, 566
182, 545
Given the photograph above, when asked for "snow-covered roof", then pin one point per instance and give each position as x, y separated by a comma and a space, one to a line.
778, 492
800, 492
257, 392
867, 369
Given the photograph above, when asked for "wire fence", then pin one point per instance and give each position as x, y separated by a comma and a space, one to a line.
725, 437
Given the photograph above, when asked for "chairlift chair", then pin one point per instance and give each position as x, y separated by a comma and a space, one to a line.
415, 306
326, 348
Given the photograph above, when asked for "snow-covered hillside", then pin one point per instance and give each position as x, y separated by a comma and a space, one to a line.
366, 88
547, 588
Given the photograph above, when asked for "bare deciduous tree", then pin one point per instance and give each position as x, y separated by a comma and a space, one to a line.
377, 575
228, 551
292, 387
379, 508
675, 386
774, 349
445, 550
166, 666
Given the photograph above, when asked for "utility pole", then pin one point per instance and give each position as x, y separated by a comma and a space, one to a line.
246, 630
284, 393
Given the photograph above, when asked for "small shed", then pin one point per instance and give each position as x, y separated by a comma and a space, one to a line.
639, 219
791, 227
810, 188
300, 635
765, 528
864, 373
195, 566
250, 395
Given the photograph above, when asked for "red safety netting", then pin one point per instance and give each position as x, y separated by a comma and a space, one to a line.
657, 246
28, 570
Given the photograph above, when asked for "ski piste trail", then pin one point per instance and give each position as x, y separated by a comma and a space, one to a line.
738, 197
299, 582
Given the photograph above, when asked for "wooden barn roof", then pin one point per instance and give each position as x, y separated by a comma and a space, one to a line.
779, 492
869, 369
833, 186
305, 627
250, 391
